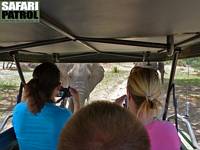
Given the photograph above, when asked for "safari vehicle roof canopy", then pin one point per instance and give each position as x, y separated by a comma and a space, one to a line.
105, 31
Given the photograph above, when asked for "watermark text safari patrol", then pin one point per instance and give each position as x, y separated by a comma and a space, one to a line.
20, 10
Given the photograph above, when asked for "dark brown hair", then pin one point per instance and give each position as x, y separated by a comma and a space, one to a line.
103, 126
46, 77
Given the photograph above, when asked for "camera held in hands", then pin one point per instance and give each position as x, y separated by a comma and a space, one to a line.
64, 93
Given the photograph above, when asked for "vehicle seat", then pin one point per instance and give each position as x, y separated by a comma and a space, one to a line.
8, 140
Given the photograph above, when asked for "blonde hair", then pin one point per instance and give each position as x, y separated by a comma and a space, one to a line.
103, 126
144, 86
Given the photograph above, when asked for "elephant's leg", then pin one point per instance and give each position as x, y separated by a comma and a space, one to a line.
161, 74
87, 100
161, 68
3, 65
162, 77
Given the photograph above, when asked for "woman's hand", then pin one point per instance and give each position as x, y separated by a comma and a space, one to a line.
120, 100
76, 98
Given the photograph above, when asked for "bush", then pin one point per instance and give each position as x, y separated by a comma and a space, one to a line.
193, 62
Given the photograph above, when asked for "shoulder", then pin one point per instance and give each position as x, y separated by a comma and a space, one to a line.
19, 112
164, 128
58, 110
58, 114
166, 125
159, 131
163, 125
20, 106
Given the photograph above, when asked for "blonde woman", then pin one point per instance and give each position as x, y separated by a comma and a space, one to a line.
143, 93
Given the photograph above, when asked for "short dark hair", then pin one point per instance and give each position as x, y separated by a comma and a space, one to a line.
38, 90
104, 126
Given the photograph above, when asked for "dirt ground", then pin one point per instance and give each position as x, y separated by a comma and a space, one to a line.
109, 90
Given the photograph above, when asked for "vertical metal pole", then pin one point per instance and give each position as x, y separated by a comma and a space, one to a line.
175, 106
23, 82
19, 96
19, 68
170, 45
171, 80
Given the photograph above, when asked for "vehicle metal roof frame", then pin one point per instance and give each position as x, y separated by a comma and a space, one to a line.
24, 56
123, 42
195, 37
113, 57
53, 24
99, 40
170, 45
107, 53
66, 39
193, 50
178, 45
33, 44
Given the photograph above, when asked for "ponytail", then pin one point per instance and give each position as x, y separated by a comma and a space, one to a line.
35, 99
39, 90
148, 108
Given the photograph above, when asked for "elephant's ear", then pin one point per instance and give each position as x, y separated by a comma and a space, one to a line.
64, 69
97, 74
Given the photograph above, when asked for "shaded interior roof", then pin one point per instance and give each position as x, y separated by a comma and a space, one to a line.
104, 31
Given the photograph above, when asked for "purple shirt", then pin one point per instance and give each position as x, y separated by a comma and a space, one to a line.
163, 136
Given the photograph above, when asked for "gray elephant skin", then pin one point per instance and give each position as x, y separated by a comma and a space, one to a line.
82, 76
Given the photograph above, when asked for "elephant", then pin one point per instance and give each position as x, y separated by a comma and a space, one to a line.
82, 76
159, 66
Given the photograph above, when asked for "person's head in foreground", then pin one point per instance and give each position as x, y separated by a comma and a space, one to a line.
143, 91
103, 126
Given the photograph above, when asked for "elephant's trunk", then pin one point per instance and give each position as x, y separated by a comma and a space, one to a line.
83, 91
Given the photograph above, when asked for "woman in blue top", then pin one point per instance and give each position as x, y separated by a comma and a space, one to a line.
38, 121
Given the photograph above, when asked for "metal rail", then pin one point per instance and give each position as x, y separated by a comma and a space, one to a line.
53, 24
33, 44
18, 68
170, 45
23, 82
171, 80
188, 40
4, 122
189, 127
103, 54
123, 42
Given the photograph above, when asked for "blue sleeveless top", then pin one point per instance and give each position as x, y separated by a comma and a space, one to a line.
39, 131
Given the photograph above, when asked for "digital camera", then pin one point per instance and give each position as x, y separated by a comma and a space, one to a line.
64, 92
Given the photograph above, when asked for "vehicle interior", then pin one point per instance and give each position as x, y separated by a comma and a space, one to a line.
85, 31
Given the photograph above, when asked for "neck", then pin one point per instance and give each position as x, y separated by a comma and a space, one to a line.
146, 120
52, 98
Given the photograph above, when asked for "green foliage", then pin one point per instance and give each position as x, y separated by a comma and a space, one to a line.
183, 79
188, 82
193, 62
1, 98
7, 85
